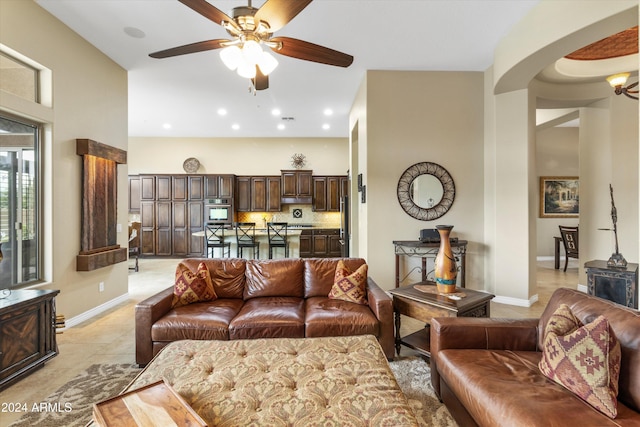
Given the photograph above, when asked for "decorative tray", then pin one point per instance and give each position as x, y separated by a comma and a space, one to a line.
153, 405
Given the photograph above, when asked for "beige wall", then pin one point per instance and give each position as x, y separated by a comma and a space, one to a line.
89, 101
240, 156
412, 117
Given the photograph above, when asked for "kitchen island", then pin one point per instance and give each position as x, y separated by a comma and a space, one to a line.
262, 237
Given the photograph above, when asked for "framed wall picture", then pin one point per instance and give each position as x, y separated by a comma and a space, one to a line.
559, 197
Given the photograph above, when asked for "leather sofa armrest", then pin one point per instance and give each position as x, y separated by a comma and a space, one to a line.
147, 312
381, 305
479, 333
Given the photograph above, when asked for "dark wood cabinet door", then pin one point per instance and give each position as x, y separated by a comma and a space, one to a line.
196, 223
273, 194
147, 187
148, 241
305, 183
163, 241
134, 193
319, 194
243, 199
305, 246
333, 193
320, 245
289, 184
345, 186
180, 236
163, 215
163, 187
147, 214
179, 187
211, 186
225, 186
335, 248
196, 187
258, 194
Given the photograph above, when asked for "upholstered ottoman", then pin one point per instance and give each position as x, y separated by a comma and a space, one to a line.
329, 381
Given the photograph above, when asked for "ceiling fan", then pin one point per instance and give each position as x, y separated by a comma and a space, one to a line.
252, 28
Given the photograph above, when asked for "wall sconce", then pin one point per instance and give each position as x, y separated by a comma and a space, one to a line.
617, 81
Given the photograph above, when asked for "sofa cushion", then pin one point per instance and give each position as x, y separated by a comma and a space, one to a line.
202, 321
326, 317
350, 286
506, 388
319, 274
190, 287
227, 274
274, 278
269, 317
584, 359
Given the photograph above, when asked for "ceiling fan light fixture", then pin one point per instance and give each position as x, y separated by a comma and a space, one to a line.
267, 63
618, 79
247, 70
252, 52
231, 57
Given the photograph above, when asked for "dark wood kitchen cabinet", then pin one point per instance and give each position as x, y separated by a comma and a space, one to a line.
134, 194
218, 186
171, 210
320, 243
258, 194
320, 193
27, 328
297, 185
327, 192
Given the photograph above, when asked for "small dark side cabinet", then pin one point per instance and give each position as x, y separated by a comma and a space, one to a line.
614, 284
27, 333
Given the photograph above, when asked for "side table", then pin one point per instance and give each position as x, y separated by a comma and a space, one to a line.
424, 306
425, 250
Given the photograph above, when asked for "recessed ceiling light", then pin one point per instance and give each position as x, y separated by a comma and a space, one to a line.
167, 126
222, 112
281, 126
328, 112
326, 126
235, 126
136, 33
275, 111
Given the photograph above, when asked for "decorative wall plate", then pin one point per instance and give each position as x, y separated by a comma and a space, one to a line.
191, 165
298, 160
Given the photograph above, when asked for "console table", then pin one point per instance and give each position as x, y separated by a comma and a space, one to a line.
425, 250
617, 284
27, 333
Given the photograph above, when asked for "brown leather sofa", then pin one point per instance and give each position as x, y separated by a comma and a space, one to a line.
284, 298
486, 370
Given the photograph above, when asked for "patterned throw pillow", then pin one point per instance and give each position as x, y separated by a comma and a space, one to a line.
192, 287
350, 286
585, 359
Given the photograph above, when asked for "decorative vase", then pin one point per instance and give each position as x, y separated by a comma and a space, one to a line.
446, 270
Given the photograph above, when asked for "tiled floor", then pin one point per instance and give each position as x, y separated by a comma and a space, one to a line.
109, 338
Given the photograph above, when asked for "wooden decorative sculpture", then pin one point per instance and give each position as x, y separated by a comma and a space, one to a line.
99, 247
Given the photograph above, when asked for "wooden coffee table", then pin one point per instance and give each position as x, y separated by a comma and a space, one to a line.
426, 304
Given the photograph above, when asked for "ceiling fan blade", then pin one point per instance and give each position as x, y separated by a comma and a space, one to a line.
279, 12
207, 10
260, 81
311, 52
190, 48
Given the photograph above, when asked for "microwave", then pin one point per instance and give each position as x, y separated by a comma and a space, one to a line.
218, 210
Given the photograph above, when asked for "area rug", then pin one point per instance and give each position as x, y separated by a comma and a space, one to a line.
100, 382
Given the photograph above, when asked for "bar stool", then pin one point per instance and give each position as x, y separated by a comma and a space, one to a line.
246, 238
277, 233
214, 234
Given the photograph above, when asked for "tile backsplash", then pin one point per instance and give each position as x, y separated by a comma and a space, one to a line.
308, 216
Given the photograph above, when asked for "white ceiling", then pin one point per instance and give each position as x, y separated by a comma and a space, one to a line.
187, 91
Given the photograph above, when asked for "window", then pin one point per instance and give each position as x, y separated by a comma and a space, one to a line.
18, 78
19, 203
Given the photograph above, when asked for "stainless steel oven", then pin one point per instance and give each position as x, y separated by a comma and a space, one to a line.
218, 210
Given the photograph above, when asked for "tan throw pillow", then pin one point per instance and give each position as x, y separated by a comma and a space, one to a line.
585, 359
350, 286
192, 287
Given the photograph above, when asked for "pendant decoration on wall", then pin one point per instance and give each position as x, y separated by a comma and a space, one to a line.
191, 165
298, 160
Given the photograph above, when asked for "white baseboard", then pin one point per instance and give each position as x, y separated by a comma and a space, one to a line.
516, 301
83, 317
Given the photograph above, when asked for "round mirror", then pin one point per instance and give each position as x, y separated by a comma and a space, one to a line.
426, 191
